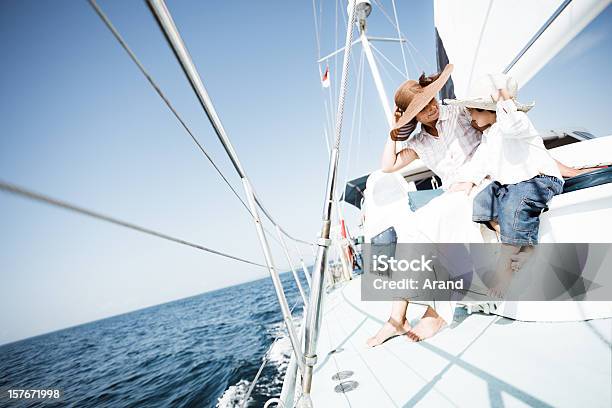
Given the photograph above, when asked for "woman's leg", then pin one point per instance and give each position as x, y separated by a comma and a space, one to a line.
447, 218
395, 326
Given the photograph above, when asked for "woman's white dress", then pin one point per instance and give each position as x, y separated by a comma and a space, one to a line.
445, 219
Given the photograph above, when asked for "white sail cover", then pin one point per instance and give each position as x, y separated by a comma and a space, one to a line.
485, 36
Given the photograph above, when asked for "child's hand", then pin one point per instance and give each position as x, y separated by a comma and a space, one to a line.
462, 186
503, 87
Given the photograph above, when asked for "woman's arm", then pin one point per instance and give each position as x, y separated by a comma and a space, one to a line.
392, 161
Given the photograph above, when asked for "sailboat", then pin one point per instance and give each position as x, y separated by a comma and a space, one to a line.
504, 356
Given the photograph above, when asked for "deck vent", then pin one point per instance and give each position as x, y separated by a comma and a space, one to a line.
342, 375
346, 386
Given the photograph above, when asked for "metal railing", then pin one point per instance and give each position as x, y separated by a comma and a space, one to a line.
168, 27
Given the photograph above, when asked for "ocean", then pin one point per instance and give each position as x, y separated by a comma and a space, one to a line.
201, 351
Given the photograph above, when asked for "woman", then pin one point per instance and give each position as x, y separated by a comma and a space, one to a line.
447, 140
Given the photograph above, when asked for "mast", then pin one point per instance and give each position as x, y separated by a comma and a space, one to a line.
313, 315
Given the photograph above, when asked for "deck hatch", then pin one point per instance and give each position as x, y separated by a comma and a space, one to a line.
342, 375
346, 386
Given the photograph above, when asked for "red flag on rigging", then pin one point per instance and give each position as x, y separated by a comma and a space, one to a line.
325, 79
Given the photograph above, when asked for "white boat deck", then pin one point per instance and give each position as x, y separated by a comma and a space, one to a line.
480, 361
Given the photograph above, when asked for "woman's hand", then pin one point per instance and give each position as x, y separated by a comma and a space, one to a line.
399, 135
466, 186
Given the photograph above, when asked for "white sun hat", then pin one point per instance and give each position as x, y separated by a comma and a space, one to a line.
482, 91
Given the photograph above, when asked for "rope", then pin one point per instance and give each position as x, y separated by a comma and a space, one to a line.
345, 69
360, 117
20, 191
149, 78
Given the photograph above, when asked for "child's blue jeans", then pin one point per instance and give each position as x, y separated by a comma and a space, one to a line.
516, 207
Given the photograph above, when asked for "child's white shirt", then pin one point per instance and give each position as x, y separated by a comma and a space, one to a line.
511, 151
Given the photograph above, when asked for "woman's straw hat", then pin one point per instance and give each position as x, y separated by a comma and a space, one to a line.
411, 98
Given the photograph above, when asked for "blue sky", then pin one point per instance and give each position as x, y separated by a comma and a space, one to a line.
82, 124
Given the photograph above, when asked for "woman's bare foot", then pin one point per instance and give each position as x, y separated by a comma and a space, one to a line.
391, 328
430, 324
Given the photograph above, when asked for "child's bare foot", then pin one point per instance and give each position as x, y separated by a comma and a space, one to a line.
504, 270
521, 258
390, 329
429, 325
499, 290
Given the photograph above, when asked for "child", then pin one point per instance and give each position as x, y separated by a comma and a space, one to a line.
524, 175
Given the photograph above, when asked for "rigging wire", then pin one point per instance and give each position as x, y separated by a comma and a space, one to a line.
354, 118
353, 64
359, 74
333, 93
34, 196
142, 69
389, 61
360, 118
326, 138
317, 22
344, 80
399, 35
151, 81
383, 68
403, 37
317, 34
320, 13
334, 101
332, 115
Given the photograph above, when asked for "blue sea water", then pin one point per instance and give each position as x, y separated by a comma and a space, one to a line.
202, 351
